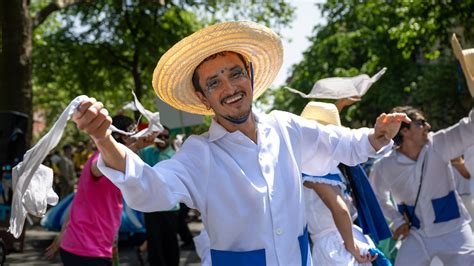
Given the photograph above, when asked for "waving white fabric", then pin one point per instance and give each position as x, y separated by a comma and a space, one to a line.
38, 193
32, 182
154, 124
338, 88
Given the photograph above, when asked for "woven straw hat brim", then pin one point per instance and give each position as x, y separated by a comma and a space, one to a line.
466, 59
324, 113
172, 78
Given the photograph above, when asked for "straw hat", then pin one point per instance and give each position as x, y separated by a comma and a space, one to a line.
466, 58
324, 113
257, 43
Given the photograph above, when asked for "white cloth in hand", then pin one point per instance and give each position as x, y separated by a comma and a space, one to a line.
27, 196
40, 192
338, 88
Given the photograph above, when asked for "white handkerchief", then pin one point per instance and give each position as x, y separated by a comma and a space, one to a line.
32, 182
30, 171
154, 124
40, 192
338, 88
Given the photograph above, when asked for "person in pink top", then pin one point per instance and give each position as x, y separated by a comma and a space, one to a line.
88, 234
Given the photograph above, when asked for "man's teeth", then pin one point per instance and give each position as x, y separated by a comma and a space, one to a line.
234, 98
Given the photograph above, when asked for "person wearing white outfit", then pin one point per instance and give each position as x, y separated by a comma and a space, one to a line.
418, 175
330, 211
243, 175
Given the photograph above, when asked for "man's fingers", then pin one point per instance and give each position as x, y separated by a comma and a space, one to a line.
395, 117
92, 118
97, 121
402, 117
88, 116
104, 127
374, 257
81, 108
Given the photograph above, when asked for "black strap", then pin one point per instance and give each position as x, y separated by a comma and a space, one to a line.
411, 215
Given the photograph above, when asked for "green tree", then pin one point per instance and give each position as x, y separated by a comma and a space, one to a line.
105, 47
411, 39
108, 48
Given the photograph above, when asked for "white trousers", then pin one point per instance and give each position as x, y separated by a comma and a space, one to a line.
329, 250
455, 248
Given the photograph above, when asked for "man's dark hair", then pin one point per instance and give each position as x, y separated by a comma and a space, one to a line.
412, 113
121, 122
195, 78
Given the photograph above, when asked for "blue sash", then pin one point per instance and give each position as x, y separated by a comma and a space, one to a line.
370, 215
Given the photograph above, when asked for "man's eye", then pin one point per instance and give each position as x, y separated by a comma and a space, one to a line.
237, 73
212, 84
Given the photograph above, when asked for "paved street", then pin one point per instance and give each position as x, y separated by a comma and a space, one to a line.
37, 239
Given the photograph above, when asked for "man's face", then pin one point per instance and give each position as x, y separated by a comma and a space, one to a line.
418, 131
226, 86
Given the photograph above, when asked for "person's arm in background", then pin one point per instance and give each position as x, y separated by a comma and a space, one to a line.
53, 249
342, 103
458, 163
453, 141
341, 216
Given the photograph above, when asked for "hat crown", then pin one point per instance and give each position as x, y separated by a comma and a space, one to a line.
324, 113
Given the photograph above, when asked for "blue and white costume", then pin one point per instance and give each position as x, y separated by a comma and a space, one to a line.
250, 195
440, 221
328, 244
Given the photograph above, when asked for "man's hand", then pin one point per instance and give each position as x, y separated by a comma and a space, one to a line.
401, 232
92, 118
386, 127
135, 144
341, 103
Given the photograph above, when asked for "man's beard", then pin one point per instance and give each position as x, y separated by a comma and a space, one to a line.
238, 120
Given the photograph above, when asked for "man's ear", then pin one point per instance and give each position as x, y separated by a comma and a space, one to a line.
203, 99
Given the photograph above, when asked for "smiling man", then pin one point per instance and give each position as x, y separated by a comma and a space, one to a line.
243, 175
418, 175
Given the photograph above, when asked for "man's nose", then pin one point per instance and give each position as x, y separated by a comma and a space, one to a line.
427, 125
227, 85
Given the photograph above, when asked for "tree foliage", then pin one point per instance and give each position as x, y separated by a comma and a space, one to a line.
410, 38
107, 48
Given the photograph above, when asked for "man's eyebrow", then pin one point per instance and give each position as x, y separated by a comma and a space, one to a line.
211, 78
236, 67
216, 75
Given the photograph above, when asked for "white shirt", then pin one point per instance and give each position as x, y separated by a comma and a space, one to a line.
250, 195
399, 176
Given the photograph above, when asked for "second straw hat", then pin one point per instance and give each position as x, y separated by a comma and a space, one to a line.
324, 113
466, 58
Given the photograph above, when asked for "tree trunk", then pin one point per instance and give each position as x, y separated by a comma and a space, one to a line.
15, 62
